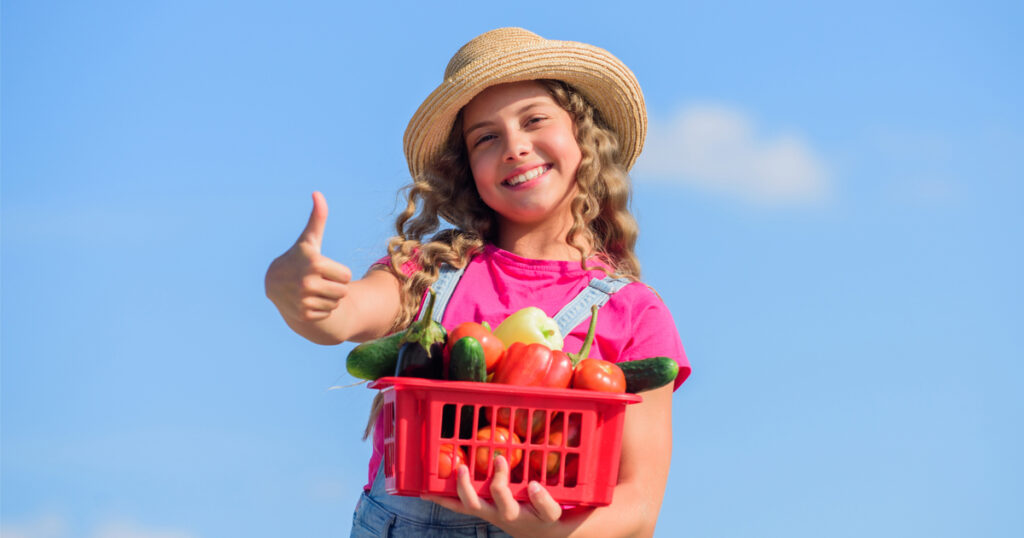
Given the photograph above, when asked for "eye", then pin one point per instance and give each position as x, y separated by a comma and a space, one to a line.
534, 120
483, 138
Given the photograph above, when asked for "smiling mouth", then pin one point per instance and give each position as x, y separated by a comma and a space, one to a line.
526, 176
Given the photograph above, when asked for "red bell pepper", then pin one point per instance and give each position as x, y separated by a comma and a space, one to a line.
534, 365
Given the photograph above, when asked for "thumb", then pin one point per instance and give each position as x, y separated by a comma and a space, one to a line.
314, 232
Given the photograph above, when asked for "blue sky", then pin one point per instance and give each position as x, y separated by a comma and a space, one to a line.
830, 203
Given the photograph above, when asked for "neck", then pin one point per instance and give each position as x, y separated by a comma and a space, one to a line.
545, 241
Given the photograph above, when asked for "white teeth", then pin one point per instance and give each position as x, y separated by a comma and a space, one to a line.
515, 180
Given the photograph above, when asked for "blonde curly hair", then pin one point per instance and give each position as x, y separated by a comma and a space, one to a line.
600, 211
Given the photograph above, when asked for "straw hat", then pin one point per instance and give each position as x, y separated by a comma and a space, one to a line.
512, 55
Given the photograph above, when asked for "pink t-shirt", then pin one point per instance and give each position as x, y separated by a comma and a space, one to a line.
633, 324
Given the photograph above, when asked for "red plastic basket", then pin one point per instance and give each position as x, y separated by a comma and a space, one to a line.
421, 415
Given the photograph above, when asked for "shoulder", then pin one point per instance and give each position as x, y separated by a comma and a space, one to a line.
409, 267
640, 297
652, 328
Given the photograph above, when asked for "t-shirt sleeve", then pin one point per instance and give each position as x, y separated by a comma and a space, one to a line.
655, 335
408, 268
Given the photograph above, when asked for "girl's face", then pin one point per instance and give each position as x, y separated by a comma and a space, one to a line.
522, 152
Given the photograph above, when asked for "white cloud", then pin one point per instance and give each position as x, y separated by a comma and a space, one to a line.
717, 148
44, 526
129, 529
55, 526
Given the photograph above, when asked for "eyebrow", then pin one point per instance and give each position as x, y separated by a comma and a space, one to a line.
485, 123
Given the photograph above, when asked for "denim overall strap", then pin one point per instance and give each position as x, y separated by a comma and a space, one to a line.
596, 293
444, 286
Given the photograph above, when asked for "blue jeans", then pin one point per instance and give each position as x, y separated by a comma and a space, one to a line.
380, 515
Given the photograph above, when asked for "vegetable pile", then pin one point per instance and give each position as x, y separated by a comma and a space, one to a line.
525, 349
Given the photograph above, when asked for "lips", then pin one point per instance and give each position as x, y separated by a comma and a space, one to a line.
523, 176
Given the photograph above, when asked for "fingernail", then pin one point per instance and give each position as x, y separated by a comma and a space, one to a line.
534, 487
463, 471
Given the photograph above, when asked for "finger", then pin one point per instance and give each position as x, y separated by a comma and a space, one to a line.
319, 304
504, 501
314, 231
313, 315
543, 503
316, 286
332, 270
465, 489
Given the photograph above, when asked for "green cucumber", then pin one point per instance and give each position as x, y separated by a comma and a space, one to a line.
376, 358
647, 374
467, 361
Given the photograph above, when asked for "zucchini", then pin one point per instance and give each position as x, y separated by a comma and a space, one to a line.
376, 358
467, 361
647, 374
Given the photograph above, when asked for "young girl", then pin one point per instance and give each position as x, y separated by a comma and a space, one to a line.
524, 150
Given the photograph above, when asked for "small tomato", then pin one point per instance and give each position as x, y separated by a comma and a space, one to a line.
596, 374
525, 428
559, 431
448, 459
501, 437
554, 457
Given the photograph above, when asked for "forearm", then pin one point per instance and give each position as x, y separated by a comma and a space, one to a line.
327, 332
643, 474
633, 512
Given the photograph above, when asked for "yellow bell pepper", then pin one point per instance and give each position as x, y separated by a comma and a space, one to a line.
530, 326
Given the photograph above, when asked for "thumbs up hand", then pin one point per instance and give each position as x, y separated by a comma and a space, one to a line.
305, 285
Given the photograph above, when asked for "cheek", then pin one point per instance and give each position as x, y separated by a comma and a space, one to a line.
481, 167
485, 189
566, 147
571, 153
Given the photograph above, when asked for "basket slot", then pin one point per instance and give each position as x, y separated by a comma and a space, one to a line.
389, 420
389, 460
448, 421
465, 425
575, 429
571, 470
468, 422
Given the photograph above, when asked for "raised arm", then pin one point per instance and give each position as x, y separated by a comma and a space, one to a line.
317, 297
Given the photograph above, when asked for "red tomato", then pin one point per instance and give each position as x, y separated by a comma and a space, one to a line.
558, 425
448, 459
554, 457
493, 347
558, 431
596, 374
526, 429
501, 437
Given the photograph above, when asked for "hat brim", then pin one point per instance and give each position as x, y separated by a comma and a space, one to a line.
603, 80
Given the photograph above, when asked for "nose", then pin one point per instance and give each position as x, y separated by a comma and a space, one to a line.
517, 145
